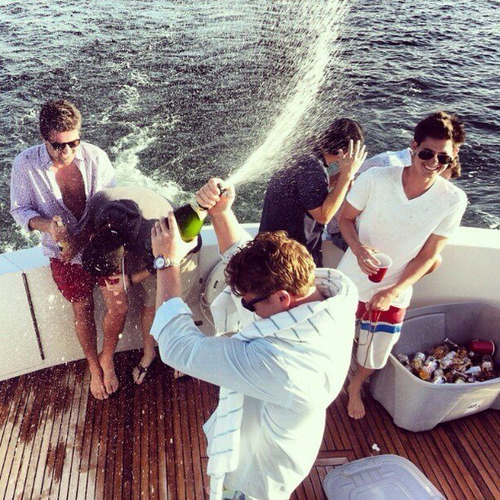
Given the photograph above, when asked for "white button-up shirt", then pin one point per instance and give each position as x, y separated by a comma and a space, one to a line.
34, 190
290, 367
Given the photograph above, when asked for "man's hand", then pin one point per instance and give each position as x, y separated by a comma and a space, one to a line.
58, 231
381, 301
366, 261
211, 196
166, 239
69, 250
350, 162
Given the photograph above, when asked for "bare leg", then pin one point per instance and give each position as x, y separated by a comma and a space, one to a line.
355, 407
147, 318
87, 336
113, 324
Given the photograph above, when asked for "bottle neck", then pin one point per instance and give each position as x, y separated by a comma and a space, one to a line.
201, 211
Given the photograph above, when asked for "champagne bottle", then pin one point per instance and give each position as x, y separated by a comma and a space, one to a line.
190, 218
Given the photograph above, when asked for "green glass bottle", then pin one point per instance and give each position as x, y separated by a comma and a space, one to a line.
190, 218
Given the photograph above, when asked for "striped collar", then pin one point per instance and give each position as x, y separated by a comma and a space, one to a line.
332, 285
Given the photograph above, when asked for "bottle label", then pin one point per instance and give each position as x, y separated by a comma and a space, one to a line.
201, 211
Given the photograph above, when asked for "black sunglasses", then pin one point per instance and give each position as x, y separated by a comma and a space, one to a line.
59, 146
427, 154
250, 306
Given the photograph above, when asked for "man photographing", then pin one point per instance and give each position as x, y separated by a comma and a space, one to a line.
285, 362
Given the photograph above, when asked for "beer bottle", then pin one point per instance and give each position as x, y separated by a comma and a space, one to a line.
58, 220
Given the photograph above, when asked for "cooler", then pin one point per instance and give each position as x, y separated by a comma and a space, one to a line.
387, 477
416, 405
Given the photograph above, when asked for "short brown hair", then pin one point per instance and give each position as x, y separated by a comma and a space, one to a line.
455, 168
271, 262
59, 116
440, 125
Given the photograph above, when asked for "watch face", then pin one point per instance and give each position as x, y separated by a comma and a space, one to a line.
159, 262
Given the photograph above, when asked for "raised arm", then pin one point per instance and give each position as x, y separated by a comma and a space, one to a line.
349, 164
166, 239
218, 197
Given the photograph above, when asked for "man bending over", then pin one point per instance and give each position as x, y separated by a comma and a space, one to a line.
283, 360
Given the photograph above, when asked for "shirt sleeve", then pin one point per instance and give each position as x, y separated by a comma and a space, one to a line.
360, 190
21, 207
252, 368
107, 172
312, 184
452, 220
244, 238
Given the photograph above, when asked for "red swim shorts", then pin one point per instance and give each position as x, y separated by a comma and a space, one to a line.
73, 281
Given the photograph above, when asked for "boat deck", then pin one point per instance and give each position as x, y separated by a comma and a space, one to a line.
58, 442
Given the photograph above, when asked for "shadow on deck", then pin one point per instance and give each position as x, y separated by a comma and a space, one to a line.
57, 441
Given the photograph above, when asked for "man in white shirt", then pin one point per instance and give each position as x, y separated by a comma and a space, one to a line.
284, 365
409, 214
387, 159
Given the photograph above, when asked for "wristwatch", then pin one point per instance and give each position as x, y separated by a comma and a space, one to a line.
163, 262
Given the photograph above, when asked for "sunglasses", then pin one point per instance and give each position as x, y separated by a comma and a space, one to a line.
427, 154
250, 305
59, 146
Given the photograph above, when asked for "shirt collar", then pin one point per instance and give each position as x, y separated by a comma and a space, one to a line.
46, 160
333, 286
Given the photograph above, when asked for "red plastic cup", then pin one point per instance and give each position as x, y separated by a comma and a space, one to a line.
385, 262
482, 347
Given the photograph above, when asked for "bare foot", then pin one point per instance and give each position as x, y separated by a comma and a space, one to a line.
109, 375
140, 371
97, 387
355, 407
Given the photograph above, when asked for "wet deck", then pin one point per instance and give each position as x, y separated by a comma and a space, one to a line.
58, 442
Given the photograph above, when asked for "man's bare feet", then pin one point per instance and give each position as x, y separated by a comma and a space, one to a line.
109, 375
355, 407
97, 387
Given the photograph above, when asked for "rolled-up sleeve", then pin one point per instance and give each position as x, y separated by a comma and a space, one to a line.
244, 238
21, 207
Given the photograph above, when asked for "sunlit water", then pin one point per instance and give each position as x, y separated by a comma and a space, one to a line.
179, 92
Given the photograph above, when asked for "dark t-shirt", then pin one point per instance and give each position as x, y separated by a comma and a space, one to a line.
290, 194
152, 207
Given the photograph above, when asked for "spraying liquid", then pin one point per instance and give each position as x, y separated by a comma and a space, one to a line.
325, 20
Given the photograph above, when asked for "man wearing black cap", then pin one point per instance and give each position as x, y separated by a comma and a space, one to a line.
118, 224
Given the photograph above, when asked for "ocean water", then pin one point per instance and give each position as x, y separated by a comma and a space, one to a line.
179, 91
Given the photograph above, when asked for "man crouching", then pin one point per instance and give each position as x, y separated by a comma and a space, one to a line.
283, 363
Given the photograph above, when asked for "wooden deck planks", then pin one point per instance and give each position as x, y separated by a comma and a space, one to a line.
58, 442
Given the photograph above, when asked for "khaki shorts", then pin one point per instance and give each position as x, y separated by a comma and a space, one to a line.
189, 276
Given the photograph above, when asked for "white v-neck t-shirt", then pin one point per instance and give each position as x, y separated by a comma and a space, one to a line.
391, 223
